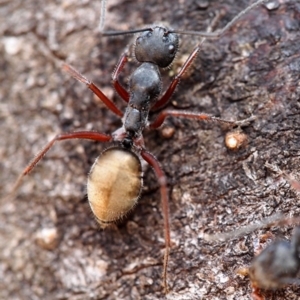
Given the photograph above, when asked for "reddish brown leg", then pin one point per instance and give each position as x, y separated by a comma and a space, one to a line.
256, 294
118, 87
75, 74
168, 93
185, 114
89, 135
152, 161
166, 97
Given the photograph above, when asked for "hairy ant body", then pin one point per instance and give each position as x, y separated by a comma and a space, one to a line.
277, 265
115, 180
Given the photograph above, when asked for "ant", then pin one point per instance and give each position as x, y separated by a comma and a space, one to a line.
275, 266
115, 180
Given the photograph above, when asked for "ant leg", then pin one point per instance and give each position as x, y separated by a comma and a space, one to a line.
75, 74
256, 294
118, 87
90, 135
185, 114
168, 93
275, 220
152, 161
216, 34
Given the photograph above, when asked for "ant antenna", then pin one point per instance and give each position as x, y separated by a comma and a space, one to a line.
102, 15
114, 33
211, 35
220, 32
275, 220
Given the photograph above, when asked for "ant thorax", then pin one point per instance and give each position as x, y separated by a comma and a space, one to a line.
145, 86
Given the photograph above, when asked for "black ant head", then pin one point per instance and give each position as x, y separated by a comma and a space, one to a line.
157, 45
296, 242
276, 266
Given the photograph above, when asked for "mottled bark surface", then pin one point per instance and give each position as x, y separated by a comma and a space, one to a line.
253, 69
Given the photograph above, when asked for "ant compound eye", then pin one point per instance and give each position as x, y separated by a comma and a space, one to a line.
165, 39
172, 49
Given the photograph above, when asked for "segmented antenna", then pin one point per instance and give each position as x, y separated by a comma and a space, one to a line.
275, 220
102, 15
210, 35
220, 32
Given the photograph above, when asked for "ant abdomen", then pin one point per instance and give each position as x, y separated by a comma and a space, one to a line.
114, 184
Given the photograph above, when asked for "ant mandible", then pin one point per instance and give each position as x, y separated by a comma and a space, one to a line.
115, 179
